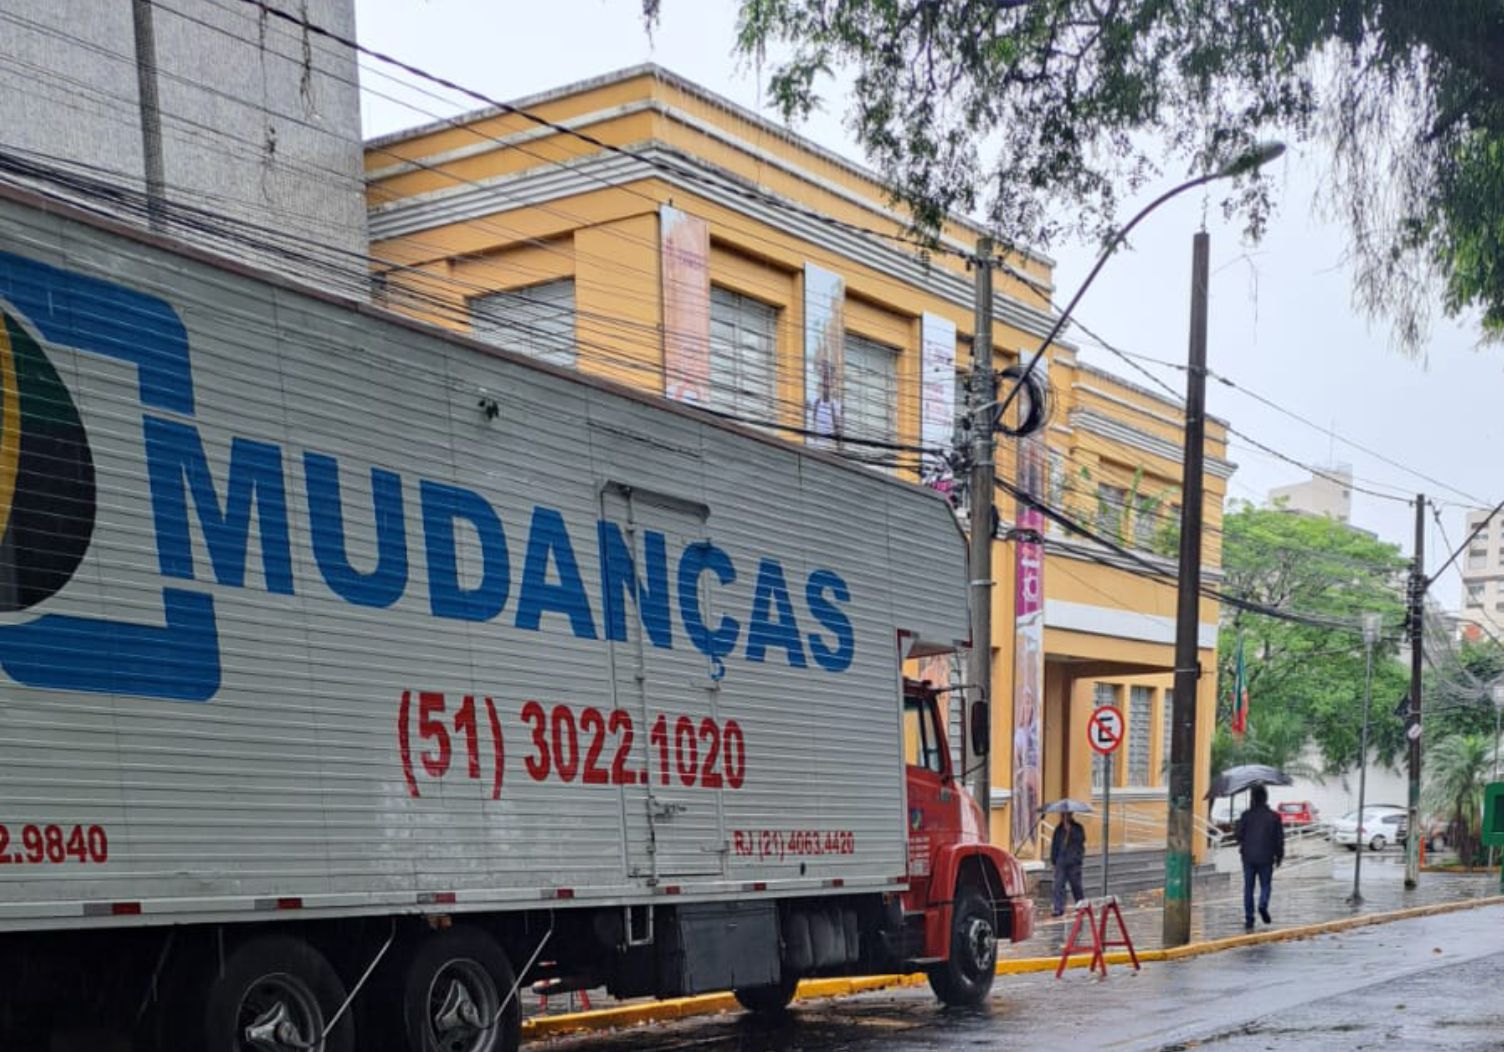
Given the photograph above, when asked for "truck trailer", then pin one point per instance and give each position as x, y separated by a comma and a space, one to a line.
355, 673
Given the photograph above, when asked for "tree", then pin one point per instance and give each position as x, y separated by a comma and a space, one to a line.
1458, 699
1305, 675
1043, 109
1457, 769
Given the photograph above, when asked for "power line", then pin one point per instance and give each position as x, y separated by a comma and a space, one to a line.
543, 122
1146, 567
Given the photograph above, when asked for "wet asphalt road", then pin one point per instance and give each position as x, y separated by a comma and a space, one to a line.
1435, 982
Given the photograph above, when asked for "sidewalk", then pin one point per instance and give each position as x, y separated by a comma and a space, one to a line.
1306, 891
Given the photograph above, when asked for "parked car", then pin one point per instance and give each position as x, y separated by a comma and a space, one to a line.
1438, 831
1382, 825
1298, 814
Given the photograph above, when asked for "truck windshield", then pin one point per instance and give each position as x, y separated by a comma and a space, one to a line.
921, 738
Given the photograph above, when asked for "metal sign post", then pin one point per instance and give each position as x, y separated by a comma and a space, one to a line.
1106, 817
1104, 733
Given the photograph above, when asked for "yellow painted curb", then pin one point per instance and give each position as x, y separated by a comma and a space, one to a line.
814, 989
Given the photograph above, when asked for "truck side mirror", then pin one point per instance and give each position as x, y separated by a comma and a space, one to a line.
981, 728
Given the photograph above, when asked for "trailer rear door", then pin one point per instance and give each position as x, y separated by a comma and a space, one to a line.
673, 815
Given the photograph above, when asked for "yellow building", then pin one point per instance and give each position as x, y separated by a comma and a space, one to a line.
645, 197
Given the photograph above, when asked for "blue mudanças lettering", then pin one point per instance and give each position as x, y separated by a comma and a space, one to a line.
551, 591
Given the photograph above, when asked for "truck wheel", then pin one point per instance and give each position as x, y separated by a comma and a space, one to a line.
452, 989
768, 999
275, 993
966, 976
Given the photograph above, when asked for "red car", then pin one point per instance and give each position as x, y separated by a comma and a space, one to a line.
1297, 813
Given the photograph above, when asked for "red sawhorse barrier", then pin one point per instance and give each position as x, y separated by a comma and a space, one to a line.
1093, 918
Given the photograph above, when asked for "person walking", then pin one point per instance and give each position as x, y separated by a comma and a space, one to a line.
1067, 852
1261, 843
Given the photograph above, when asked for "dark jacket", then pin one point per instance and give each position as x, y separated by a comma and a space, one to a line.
1068, 851
1261, 836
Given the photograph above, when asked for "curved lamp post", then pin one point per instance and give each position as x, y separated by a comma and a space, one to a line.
1244, 163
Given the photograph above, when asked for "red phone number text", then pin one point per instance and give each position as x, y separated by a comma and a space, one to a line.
53, 844
565, 745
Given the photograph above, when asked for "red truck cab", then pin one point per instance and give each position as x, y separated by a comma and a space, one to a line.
964, 893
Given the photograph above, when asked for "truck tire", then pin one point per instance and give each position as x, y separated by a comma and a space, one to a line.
767, 1000
282, 987
966, 976
452, 987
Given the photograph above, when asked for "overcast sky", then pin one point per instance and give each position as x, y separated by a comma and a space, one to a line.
1282, 319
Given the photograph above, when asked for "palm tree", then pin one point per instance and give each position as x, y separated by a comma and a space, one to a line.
1457, 769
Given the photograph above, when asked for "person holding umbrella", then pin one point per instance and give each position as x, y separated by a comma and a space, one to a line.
1067, 852
1261, 843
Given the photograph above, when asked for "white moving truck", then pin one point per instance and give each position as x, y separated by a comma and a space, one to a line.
353, 673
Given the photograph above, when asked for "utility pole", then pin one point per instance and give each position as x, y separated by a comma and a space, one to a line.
1177, 921
980, 396
1417, 659
151, 111
1371, 623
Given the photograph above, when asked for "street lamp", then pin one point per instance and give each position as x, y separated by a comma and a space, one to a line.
1371, 623
1497, 693
1253, 159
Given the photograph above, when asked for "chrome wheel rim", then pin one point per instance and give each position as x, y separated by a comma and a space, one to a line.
279, 1013
463, 1002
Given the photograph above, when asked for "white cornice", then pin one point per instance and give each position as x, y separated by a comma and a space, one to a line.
499, 195
1095, 620
693, 90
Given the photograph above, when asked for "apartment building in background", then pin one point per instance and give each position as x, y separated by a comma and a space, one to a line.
1482, 569
258, 123
709, 255
1328, 494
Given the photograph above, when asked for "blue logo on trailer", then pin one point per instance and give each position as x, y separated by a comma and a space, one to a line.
47, 510
178, 659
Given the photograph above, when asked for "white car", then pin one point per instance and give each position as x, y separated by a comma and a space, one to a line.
1383, 824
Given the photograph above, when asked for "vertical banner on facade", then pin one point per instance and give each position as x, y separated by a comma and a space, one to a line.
824, 354
686, 306
937, 398
1028, 653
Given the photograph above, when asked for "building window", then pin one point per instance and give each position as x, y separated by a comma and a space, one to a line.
537, 321
1140, 733
1111, 503
743, 341
1102, 694
1475, 594
1146, 523
1057, 486
1476, 560
870, 390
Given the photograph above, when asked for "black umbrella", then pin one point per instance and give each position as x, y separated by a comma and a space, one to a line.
1066, 805
1236, 779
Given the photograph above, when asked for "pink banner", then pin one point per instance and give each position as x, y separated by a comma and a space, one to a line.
686, 306
1028, 655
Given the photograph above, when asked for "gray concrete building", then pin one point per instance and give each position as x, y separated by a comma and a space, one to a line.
1329, 494
259, 123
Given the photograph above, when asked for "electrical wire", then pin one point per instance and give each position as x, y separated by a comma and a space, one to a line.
667, 167
1146, 567
1030, 282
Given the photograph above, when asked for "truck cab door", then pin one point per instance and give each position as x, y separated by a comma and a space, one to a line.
932, 803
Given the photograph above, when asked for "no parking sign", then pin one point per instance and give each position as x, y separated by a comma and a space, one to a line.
1104, 731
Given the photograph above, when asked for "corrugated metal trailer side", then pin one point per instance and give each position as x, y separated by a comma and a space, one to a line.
307, 611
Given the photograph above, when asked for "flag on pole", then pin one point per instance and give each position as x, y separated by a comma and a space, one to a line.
1239, 696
